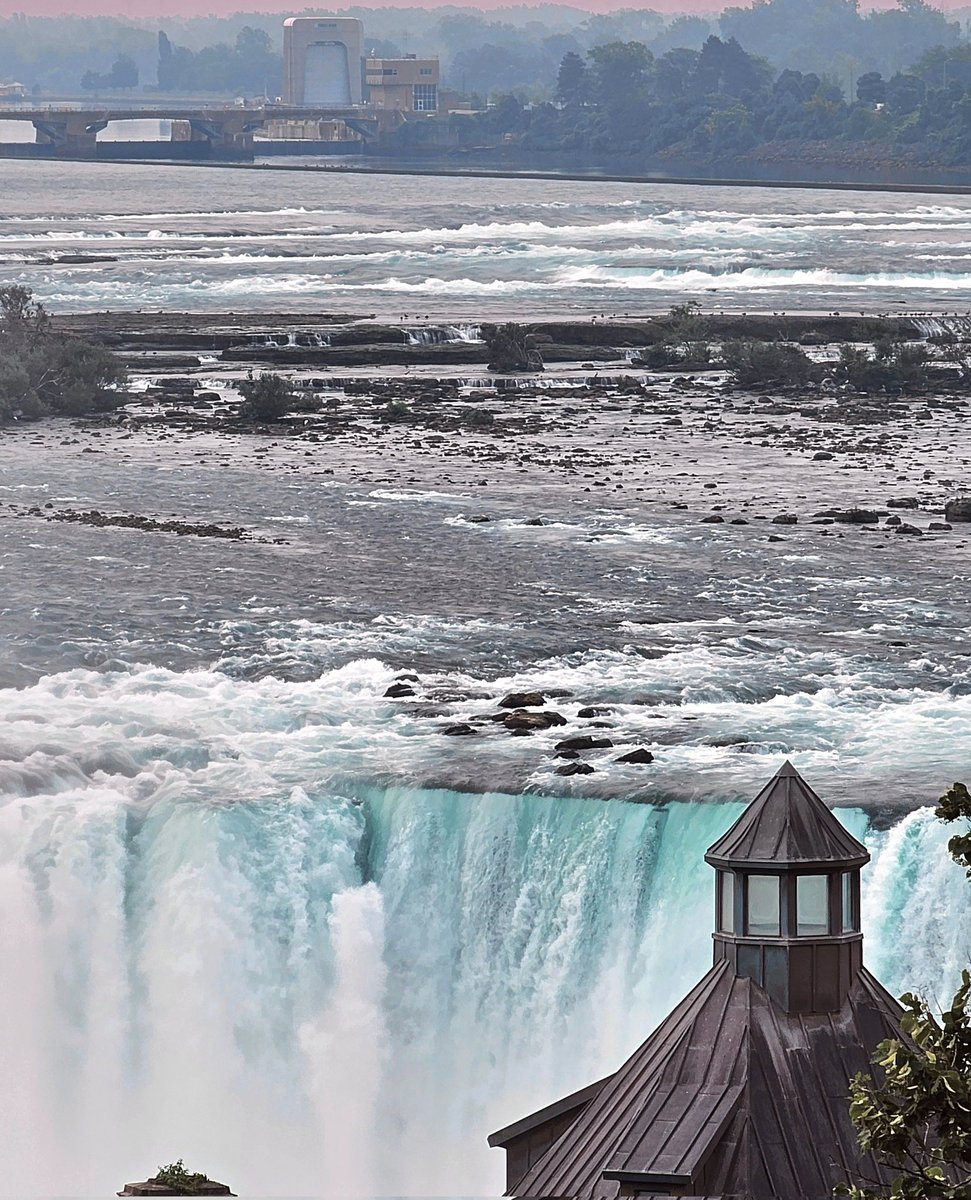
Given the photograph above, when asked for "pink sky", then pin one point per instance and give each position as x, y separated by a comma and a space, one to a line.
156, 9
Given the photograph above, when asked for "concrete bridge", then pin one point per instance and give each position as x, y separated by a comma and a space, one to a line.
72, 132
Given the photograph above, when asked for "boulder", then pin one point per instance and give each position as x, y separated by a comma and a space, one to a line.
903, 527
593, 711
958, 509
905, 502
714, 519
397, 690
521, 719
522, 700
151, 1188
637, 756
584, 742
857, 516
940, 526
575, 768
785, 519
460, 730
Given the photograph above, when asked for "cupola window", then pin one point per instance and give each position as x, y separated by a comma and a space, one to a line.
812, 905
726, 902
851, 918
763, 906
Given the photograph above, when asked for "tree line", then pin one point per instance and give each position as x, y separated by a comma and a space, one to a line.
722, 101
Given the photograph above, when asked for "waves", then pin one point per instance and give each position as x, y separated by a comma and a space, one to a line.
222, 936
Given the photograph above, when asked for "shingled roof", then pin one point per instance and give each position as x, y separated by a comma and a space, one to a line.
729, 1097
787, 825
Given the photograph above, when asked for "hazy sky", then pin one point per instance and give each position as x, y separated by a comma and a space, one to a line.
160, 8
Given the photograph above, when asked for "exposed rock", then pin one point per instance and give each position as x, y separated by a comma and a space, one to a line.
785, 519
903, 527
904, 502
587, 713
151, 1188
637, 756
822, 456
522, 700
575, 768
460, 730
891, 521
397, 690
857, 516
584, 741
714, 519
940, 526
958, 509
521, 719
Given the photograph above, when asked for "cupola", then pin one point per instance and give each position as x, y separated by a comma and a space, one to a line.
787, 897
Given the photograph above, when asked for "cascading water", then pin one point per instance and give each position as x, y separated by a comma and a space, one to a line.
216, 942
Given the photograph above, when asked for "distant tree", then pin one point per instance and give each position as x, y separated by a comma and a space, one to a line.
571, 80
871, 88
511, 348
904, 93
124, 72
620, 72
91, 81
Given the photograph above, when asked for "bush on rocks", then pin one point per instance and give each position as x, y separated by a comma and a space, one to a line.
43, 373
266, 397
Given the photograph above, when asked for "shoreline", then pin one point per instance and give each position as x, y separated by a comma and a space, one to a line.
933, 189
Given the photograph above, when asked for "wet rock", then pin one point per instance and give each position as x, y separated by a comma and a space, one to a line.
822, 456
637, 756
588, 713
535, 521
568, 754
940, 527
584, 741
958, 509
521, 719
891, 521
398, 690
460, 730
406, 677
714, 519
857, 516
479, 519
522, 700
785, 519
904, 502
912, 530
575, 768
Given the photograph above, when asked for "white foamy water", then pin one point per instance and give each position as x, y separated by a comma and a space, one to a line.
463, 250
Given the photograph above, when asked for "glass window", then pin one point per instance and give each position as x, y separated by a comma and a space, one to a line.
763, 905
850, 921
425, 97
726, 901
812, 905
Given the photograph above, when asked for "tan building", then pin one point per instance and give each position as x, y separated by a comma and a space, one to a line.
322, 61
405, 84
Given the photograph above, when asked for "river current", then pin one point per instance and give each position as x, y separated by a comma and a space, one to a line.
256, 914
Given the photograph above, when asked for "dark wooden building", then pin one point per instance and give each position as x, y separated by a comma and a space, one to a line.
742, 1091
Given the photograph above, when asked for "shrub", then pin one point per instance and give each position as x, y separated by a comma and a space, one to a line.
266, 397
511, 348
45, 373
753, 363
176, 1176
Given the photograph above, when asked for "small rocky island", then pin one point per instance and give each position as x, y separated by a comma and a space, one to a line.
175, 1180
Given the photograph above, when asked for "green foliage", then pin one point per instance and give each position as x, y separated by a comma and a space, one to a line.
176, 1176
43, 373
250, 66
893, 367
753, 363
955, 805
266, 397
511, 348
914, 1114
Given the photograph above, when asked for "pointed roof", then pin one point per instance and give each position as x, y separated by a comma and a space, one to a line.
730, 1096
787, 825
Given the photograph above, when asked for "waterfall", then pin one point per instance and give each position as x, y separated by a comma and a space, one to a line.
217, 943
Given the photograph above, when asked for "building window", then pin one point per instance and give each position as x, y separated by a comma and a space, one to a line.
726, 902
763, 906
812, 905
426, 97
389, 70
425, 71
851, 920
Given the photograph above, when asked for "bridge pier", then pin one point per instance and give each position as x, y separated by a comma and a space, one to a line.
69, 135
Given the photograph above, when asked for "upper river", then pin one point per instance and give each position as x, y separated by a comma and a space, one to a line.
257, 914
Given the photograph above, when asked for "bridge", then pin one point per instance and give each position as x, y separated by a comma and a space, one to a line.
72, 131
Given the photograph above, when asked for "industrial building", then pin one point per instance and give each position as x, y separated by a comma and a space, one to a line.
408, 84
322, 59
